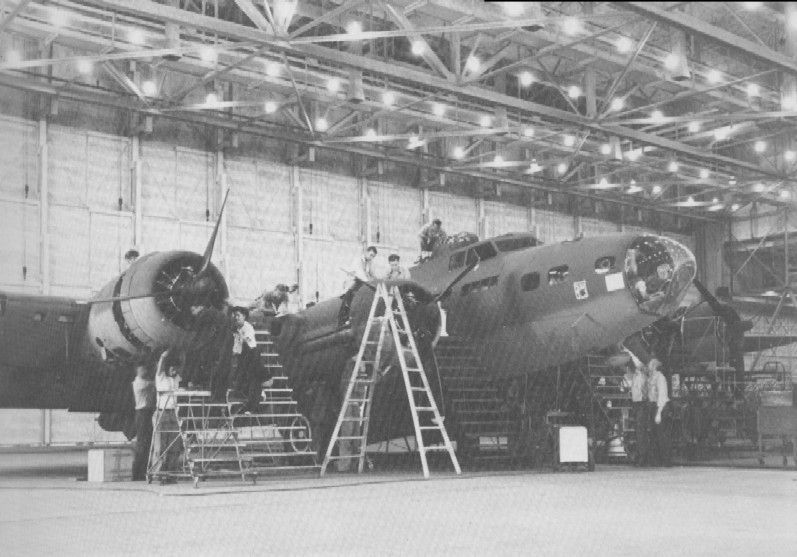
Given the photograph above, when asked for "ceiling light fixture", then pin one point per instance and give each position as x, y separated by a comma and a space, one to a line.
572, 26
624, 44
574, 91
657, 116
789, 156
370, 133
208, 54
458, 152
526, 78
617, 103
418, 47
270, 107
136, 36
273, 69
671, 61
714, 76
760, 146
333, 84
354, 27
534, 167
753, 90
528, 131
673, 166
693, 127
606, 149
656, 190
561, 168
704, 173
149, 88
438, 109
485, 121
568, 140
388, 98
472, 63
84, 66
321, 124
211, 99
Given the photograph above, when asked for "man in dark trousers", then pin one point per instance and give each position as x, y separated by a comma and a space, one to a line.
246, 360
659, 415
361, 272
144, 395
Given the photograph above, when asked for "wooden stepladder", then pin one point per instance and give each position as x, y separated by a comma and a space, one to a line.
356, 409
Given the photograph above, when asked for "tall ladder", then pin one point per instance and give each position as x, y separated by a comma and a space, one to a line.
356, 408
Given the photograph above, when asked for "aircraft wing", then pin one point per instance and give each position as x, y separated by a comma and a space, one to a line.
39, 331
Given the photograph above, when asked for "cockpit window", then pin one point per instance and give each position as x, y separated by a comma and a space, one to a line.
456, 261
514, 244
558, 275
483, 251
604, 265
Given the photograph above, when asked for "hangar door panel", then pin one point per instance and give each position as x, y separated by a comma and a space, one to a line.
69, 246
159, 234
324, 262
19, 162
260, 195
331, 205
111, 237
108, 175
19, 243
459, 214
195, 185
257, 260
396, 215
554, 227
68, 165
596, 227
503, 218
158, 179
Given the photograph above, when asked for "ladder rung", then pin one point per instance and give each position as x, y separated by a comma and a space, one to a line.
420, 389
429, 427
424, 408
363, 419
436, 448
357, 400
343, 457
350, 438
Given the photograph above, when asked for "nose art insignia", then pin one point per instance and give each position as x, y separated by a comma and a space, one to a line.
580, 288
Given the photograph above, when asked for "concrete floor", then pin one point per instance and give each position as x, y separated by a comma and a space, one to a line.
613, 511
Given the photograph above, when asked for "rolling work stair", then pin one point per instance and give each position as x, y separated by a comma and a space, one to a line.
387, 321
478, 416
218, 440
613, 400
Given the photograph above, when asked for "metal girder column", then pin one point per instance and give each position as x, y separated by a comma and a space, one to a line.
297, 208
221, 188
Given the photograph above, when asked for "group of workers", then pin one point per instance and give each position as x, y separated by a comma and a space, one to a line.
224, 354
649, 405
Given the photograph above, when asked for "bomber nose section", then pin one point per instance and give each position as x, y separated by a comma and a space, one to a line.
658, 271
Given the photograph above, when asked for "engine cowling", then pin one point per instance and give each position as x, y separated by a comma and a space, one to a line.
124, 329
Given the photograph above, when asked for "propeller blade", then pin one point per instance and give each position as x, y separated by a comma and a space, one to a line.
126, 298
708, 296
212, 242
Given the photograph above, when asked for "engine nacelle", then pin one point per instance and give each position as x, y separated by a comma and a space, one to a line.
124, 329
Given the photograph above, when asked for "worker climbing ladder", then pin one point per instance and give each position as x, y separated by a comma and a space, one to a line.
356, 408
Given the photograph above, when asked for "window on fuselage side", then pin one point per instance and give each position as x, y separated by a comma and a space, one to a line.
479, 285
483, 251
558, 275
604, 265
456, 261
530, 281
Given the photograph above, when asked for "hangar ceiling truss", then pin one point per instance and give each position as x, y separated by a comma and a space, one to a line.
685, 108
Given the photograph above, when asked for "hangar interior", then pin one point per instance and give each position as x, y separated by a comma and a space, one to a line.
342, 124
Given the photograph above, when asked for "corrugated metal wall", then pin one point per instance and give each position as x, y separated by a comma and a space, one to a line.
91, 223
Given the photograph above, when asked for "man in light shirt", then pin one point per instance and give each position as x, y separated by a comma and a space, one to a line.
659, 420
635, 380
397, 270
144, 398
361, 271
167, 381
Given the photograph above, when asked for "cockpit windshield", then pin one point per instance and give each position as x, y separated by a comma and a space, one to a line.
658, 271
